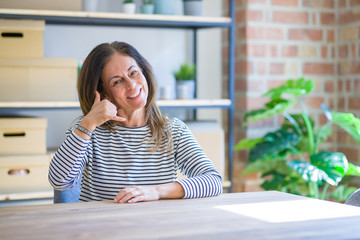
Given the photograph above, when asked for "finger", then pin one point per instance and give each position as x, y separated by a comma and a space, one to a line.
119, 119
120, 195
97, 97
129, 196
137, 199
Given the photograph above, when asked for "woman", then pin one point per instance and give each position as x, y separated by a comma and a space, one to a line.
123, 147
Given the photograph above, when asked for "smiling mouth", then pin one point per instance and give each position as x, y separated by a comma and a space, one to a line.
135, 94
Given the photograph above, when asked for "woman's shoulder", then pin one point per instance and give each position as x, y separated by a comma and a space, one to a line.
177, 125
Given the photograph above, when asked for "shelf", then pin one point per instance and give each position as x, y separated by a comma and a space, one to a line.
116, 19
194, 103
28, 195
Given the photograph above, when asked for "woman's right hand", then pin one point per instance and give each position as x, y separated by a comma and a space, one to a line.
101, 112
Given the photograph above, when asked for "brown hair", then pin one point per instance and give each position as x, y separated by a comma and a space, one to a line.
90, 80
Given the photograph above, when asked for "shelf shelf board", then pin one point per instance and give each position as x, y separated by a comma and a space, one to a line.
116, 19
193, 103
27, 195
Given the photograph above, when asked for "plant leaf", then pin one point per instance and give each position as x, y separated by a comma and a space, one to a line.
275, 145
297, 87
266, 166
333, 164
348, 122
353, 170
275, 107
342, 193
247, 143
308, 171
322, 134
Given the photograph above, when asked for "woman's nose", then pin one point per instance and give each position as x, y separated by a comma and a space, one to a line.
130, 84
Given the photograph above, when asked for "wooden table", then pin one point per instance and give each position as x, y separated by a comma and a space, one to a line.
257, 215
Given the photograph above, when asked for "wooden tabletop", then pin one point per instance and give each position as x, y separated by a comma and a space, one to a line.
257, 215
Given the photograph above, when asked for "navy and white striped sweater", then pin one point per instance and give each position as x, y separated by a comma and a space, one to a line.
113, 160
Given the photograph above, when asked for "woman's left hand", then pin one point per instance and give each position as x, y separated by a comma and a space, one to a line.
137, 194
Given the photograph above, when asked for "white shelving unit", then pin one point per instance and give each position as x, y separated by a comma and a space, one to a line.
135, 20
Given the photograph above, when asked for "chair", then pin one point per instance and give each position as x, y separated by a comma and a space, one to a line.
68, 196
354, 199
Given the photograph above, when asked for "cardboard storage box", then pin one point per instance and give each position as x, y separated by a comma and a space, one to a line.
24, 173
23, 135
21, 38
45, 79
210, 137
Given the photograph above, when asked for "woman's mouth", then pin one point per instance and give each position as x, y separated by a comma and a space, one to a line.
134, 95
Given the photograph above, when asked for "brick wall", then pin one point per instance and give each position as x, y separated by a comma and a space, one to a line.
277, 40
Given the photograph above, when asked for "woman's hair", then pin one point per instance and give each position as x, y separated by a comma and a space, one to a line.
90, 80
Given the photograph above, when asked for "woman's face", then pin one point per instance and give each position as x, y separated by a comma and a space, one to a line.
124, 83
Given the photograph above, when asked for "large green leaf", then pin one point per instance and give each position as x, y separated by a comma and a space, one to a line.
247, 143
308, 171
297, 87
298, 120
267, 165
273, 108
322, 134
353, 170
348, 122
333, 164
275, 145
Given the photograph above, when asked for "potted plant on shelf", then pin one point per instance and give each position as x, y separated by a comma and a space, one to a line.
129, 6
147, 7
193, 7
165, 7
185, 81
290, 159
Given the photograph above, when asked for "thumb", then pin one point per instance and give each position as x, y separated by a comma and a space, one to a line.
97, 97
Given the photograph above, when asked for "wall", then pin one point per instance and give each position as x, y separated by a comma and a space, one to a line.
277, 40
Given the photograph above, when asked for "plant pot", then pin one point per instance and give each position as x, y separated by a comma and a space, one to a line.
193, 8
185, 89
147, 8
164, 7
90, 5
129, 8
179, 7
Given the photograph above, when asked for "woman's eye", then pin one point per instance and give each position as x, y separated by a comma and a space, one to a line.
117, 82
133, 73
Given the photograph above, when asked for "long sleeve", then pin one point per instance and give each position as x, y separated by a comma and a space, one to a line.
68, 162
203, 178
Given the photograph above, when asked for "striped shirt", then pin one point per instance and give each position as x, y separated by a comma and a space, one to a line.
113, 160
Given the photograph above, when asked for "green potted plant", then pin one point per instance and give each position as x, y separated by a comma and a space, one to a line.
290, 159
185, 81
147, 7
193, 7
129, 6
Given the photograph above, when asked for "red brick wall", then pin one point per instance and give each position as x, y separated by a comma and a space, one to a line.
277, 40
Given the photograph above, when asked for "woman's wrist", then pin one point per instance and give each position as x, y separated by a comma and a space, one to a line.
170, 190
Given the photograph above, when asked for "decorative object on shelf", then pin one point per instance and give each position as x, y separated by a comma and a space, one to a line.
90, 5
165, 92
165, 7
129, 7
185, 81
193, 7
290, 159
179, 7
147, 7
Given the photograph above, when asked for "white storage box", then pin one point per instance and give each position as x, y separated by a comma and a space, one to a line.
23, 135
21, 38
24, 173
43, 79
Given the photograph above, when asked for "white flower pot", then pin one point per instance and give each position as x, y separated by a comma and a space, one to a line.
185, 89
129, 8
193, 8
